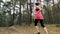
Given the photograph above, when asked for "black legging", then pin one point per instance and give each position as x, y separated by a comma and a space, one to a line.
40, 21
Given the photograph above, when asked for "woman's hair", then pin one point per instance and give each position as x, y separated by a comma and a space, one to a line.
37, 4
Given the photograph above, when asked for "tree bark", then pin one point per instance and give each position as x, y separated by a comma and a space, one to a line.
0, 3
30, 12
19, 18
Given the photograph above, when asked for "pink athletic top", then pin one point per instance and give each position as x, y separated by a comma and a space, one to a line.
38, 15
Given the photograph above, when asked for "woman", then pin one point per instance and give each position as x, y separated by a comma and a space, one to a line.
39, 17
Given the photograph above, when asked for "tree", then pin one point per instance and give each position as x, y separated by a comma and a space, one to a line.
48, 11
21, 2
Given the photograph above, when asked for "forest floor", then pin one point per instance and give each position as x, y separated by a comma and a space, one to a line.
52, 29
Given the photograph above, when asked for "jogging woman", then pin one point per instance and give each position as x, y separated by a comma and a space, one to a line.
39, 17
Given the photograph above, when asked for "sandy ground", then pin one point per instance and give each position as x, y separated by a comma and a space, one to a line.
28, 30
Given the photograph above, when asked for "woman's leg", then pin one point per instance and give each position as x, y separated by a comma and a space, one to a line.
42, 24
36, 21
45, 29
37, 28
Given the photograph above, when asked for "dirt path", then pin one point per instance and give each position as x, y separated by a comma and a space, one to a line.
14, 30
27, 30
5, 30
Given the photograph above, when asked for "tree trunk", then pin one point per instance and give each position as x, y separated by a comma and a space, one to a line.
27, 4
30, 12
53, 11
19, 18
48, 14
0, 3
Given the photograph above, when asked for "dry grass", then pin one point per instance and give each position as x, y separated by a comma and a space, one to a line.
28, 29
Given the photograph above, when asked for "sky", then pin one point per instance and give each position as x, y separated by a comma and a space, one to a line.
6, 0
55, 1
34, 2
